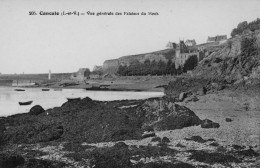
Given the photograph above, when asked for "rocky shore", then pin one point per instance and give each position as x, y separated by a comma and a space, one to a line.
199, 123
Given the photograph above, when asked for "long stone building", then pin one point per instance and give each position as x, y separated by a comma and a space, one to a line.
111, 66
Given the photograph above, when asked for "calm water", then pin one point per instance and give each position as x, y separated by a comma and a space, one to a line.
9, 98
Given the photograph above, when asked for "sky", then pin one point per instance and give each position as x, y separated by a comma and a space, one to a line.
39, 43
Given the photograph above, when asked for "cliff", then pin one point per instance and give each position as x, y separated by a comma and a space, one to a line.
237, 59
163, 55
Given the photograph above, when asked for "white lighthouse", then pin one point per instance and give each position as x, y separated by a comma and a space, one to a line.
49, 75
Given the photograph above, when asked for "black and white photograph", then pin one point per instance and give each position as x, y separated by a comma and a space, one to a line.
130, 84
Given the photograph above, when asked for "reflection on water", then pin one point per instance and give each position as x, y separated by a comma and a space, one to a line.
9, 98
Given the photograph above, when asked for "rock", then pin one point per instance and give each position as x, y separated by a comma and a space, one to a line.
182, 96
209, 124
191, 99
213, 157
156, 139
121, 134
87, 99
49, 134
121, 145
148, 134
165, 140
202, 91
36, 110
196, 139
40, 163
11, 161
187, 85
180, 145
233, 54
147, 128
248, 152
214, 144
162, 114
238, 147
228, 120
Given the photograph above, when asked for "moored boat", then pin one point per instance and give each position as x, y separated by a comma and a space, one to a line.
25, 103
96, 88
45, 89
72, 99
19, 90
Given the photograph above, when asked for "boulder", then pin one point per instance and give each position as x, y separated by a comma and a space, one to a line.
228, 120
156, 139
36, 110
191, 99
51, 133
120, 145
196, 139
165, 140
209, 124
148, 134
182, 96
202, 91
163, 114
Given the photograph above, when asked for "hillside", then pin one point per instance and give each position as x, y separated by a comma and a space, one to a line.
163, 55
235, 60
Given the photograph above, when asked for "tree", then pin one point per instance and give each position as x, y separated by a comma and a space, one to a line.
161, 68
122, 70
146, 67
170, 68
86, 72
154, 67
252, 26
191, 63
179, 70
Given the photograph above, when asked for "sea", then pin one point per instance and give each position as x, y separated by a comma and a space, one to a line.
10, 98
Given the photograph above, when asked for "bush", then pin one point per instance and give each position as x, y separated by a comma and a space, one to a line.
252, 26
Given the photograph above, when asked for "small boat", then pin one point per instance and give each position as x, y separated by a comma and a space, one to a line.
25, 103
19, 90
45, 89
96, 88
73, 99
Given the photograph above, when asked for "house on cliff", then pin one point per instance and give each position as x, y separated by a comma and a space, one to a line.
97, 68
218, 38
81, 75
190, 43
183, 52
